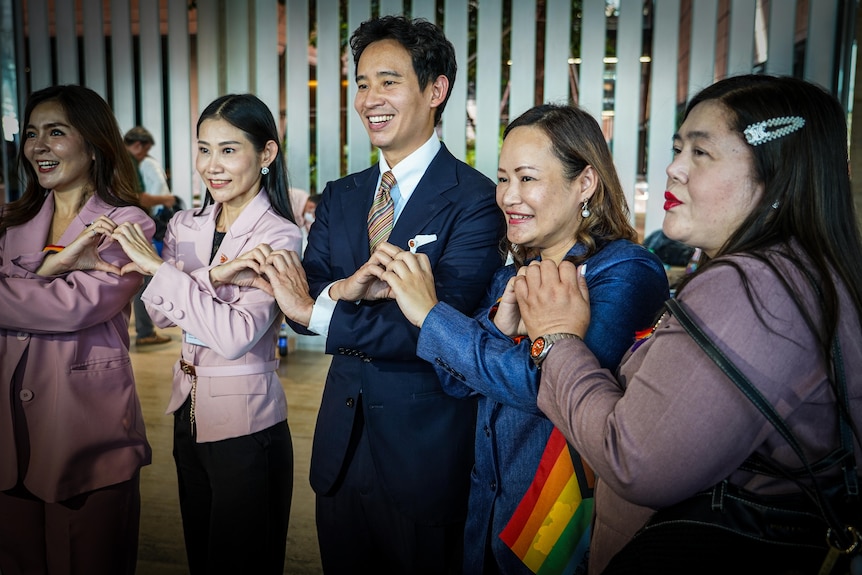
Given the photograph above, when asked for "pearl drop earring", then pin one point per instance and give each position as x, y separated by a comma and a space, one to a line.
585, 211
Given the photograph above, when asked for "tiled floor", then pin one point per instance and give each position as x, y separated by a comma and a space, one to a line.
161, 549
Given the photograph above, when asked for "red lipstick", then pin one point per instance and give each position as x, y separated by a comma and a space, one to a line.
670, 201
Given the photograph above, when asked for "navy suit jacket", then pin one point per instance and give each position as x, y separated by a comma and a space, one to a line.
421, 438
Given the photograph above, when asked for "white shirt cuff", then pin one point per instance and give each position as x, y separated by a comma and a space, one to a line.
321, 313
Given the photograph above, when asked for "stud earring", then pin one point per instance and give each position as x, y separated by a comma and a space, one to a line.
775, 204
264, 171
585, 211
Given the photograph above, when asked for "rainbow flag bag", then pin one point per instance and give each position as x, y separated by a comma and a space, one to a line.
550, 529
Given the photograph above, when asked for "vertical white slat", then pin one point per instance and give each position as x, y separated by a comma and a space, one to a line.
394, 7
488, 55
39, 42
328, 93
782, 23
181, 132
627, 97
67, 42
297, 107
740, 56
701, 72
424, 9
591, 80
820, 44
558, 26
150, 64
454, 120
522, 74
95, 71
662, 109
238, 53
265, 60
208, 42
358, 145
122, 65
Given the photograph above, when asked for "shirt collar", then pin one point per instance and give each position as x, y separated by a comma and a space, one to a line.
410, 170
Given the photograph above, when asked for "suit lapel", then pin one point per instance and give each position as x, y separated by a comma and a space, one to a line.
355, 203
427, 200
236, 240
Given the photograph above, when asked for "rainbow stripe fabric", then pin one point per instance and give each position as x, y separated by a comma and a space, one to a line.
550, 529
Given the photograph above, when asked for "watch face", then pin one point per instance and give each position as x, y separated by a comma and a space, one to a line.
537, 347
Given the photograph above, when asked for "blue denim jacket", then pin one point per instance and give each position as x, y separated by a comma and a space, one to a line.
628, 286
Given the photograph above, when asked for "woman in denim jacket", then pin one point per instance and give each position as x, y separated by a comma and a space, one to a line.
562, 199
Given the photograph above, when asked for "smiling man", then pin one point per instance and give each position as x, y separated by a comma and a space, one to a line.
392, 452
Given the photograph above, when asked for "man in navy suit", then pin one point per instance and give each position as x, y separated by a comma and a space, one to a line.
392, 452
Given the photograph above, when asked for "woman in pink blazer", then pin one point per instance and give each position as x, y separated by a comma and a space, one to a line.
232, 445
72, 438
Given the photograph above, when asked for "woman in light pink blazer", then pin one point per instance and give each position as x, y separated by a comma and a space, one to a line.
72, 438
232, 445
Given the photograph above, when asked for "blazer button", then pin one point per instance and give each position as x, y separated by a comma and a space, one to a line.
350, 402
25, 395
22, 335
493, 485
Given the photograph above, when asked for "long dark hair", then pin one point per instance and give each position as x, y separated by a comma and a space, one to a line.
431, 53
112, 173
248, 113
577, 141
806, 189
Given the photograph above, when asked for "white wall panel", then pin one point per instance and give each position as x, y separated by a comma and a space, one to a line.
627, 96
591, 81
820, 44
67, 42
39, 44
208, 58
454, 121
122, 64
328, 93
237, 47
358, 145
782, 20
297, 108
740, 56
181, 127
151, 78
522, 74
265, 60
488, 87
558, 28
662, 108
701, 71
95, 70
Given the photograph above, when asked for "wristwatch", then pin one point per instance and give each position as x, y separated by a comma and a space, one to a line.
543, 344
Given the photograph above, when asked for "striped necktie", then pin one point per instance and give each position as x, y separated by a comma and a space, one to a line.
382, 213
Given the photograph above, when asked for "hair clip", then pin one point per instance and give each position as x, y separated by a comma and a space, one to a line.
756, 134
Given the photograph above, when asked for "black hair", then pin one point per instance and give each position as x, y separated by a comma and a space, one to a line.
248, 113
431, 52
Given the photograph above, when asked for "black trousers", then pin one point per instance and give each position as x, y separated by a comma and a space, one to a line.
235, 498
361, 530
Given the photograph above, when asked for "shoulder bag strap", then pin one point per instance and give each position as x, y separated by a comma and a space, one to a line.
679, 311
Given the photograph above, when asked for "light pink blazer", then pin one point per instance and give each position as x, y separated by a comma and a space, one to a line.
238, 390
68, 337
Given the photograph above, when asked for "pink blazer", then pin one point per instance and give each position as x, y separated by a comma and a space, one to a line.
68, 338
228, 333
